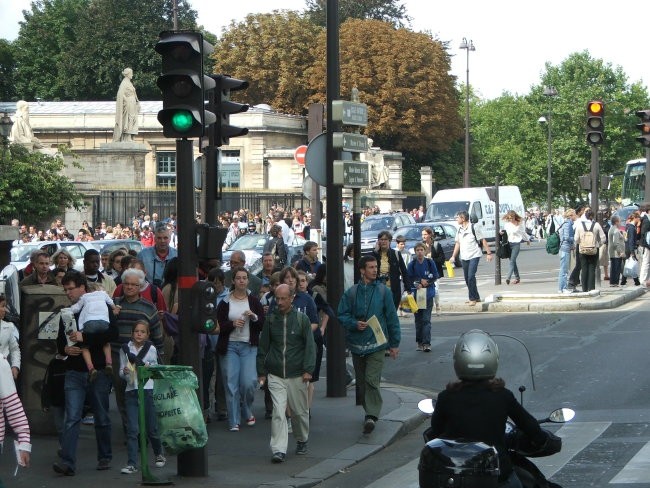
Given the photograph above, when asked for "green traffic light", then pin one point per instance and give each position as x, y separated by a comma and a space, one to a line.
182, 121
209, 325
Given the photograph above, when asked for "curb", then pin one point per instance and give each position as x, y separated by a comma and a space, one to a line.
390, 427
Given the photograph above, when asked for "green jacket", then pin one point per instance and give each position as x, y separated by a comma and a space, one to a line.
286, 348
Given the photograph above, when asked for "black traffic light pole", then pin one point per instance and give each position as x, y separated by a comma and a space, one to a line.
195, 461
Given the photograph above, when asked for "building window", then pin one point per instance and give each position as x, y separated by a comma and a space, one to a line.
166, 171
230, 169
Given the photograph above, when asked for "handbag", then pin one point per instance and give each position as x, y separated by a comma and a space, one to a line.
504, 251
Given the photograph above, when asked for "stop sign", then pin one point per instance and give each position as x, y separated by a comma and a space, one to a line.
299, 155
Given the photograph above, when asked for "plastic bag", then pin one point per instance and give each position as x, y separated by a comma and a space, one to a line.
408, 302
450, 269
180, 418
421, 298
631, 268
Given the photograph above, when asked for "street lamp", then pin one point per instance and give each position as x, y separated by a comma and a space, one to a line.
550, 92
468, 46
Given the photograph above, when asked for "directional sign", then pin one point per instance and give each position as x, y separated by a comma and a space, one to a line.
351, 142
353, 174
350, 113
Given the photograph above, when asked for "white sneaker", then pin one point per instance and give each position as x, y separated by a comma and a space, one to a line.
129, 469
160, 461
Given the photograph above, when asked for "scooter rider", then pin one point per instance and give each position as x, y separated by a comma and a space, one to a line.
477, 406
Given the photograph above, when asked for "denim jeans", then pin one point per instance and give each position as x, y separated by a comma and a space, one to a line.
615, 270
240, 380
76, 386
133, 428
423, 324
563, 277
470, 266
515, 246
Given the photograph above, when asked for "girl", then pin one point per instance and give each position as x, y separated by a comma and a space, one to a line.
516, 233
139, 352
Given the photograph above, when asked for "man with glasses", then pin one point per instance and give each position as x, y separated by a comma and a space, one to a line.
78, 386
391, 267
155, 258
238, 260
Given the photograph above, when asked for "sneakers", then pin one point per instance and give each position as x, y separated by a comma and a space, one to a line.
129, 469
88, 419
63, 469
289, 427
234, 428
368, 426
250, 422
301, 448
438, 311
103, 464
426, 348
278, 457
419, 348
160, 461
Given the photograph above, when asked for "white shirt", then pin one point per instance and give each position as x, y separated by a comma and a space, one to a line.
469, 248
516, 233
92, 307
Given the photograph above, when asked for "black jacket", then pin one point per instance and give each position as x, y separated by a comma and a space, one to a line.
396, 273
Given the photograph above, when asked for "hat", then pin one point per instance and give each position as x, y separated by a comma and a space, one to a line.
400, 239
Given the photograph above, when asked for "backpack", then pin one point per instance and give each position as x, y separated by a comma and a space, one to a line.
553, 242
588, 243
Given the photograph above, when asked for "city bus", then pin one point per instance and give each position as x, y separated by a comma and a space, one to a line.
633, 182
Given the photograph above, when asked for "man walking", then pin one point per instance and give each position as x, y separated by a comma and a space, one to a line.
286, 357
155, 258
363, 305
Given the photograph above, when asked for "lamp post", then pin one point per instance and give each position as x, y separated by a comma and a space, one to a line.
468, 46
550, 92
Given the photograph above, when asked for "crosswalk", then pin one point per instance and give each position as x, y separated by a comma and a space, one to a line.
593, 454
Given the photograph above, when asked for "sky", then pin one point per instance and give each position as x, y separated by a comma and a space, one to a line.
513, 39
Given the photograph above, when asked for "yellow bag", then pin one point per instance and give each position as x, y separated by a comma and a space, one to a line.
412, 304
450, 269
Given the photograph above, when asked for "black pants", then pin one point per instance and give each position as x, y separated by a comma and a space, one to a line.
574, 278
588, 264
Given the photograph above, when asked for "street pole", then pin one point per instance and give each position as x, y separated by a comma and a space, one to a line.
594, 179
468, 46
549, 92
497, 230
646, 194
195, 461
335, 338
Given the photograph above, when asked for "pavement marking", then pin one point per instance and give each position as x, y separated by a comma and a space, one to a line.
637, 470
575, 437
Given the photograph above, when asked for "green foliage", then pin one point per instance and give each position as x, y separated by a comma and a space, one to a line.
385, 10
76, 49
7, 71
32, 186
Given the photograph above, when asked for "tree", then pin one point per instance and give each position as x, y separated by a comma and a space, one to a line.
76, 49
25, 176
385, 10
273, 52
7, 71
509, 141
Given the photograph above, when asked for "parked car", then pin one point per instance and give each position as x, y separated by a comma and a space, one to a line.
111, 245
624, 213
253, 246
374, 224
20, 253
445, 234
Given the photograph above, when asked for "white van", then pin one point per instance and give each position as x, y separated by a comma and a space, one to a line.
445, 204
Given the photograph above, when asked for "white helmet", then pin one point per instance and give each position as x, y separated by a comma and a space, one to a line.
476, 356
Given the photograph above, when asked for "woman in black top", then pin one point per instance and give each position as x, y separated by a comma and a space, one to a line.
477, 406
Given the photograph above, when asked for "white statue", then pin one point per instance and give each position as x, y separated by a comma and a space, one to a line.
377, 169
127, 108
21, 131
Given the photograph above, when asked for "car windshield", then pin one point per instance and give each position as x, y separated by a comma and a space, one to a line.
445, 210
252, 241
376, 224
20, 254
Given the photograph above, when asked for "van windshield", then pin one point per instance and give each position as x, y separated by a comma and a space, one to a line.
445, 210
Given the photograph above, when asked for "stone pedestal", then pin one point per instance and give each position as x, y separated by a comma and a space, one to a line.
426, 182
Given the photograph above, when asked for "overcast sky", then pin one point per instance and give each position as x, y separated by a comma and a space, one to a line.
513, 38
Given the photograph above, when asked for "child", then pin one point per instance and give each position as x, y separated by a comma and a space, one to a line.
139, 352
93, 319
9, 339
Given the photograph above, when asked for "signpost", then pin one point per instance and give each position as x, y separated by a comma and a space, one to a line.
350, 113
350, 141
353, 174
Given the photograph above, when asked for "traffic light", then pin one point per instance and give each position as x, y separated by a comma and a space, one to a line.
644, 127
223, 107
595, 122
183, 84
204, 307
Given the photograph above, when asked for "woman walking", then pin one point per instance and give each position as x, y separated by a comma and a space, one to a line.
516, 231
615, 250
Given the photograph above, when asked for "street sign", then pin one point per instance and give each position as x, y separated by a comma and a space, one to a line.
315, 159
348, 141
299, 155
350, 113
352, 174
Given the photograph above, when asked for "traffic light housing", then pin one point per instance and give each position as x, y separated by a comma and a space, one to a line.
223, 107
184, 86
644, 127
204, 307
595, 122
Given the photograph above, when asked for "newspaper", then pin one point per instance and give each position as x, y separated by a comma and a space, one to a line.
374, 324
69, 324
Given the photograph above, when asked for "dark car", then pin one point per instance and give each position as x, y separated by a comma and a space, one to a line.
374, 224
253, 246
111, 245
445, 234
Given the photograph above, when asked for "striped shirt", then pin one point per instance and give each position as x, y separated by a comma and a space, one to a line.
131, 312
